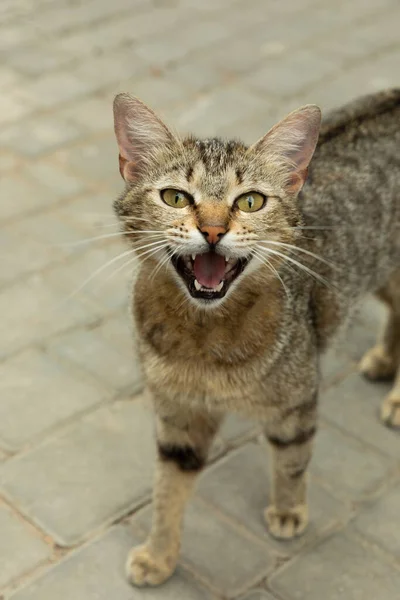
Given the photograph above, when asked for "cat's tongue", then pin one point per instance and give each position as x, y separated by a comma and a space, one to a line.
209, 269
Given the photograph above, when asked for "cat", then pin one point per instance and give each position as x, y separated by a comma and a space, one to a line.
251, 261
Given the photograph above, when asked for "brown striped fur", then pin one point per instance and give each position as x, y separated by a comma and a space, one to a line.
257, 351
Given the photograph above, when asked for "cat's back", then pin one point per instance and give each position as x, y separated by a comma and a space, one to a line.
354, 188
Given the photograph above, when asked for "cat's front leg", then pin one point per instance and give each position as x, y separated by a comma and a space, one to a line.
291, 439
183, 442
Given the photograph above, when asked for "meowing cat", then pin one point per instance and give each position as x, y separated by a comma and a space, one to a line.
246, 276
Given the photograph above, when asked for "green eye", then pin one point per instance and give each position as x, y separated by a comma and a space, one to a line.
250, 202
175, 198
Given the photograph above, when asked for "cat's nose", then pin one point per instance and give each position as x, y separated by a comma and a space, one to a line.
212, 233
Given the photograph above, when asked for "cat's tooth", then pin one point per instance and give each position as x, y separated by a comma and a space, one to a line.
197, 285
219, 287
193, 257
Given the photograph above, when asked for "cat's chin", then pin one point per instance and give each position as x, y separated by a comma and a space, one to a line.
184, 266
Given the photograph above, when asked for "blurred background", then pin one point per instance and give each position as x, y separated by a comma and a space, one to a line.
75, 445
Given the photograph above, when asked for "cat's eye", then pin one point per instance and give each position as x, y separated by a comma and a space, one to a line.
175, 198
250, 202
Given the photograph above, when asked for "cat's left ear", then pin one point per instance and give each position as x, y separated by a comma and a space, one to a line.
140, 135
291, 144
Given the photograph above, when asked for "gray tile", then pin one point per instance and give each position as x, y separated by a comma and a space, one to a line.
206, 537
347, 466
94, 472
36, 310
335, 365
22, 254
98, 276
96, 572
380, 523
20, 548
236, 428
354, 406
37, 394
55, 178
339, 567
258, 595
31, 195
239, 486
96, 161
105, 361
45, 134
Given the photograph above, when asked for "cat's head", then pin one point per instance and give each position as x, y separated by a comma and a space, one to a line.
212, 212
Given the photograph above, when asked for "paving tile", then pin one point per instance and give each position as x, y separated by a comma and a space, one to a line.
92, 113
96, 161
239, 487
207, 116
87, 276
93, 213
354, 406
8, 161
379, 522
258, 595
20, 548
235, 429
23, 254
97, 572
37, 394
205, 539
45, 134
13, 108
31, 195
347, 466
335, 364
98, 356
30, 321
53, 89
299, 71
54, 236
97, 470
37, 59
363, 574
63, 184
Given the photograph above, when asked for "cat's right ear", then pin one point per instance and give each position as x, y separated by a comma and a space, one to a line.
140, 135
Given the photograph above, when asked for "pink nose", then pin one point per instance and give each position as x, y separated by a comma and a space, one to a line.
213, 234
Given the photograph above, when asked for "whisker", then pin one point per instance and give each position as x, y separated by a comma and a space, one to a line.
161, 245
104, 237
311, 227
299, 249
98, 271
265, 260
301, 266
126, 264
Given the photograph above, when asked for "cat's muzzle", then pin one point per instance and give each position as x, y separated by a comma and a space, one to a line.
208, 276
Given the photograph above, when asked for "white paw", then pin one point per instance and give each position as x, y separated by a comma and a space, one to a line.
143, 569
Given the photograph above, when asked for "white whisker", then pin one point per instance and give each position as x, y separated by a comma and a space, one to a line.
106, 236
265, 260
299, 249
98, 271
300, 266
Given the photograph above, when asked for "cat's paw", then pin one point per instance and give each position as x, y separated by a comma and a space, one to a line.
143, 569
390, 409
377, 364
288, 524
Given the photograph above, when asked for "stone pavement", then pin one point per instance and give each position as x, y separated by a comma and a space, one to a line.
76, 439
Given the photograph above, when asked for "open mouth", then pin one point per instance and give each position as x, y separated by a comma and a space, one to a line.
208, 276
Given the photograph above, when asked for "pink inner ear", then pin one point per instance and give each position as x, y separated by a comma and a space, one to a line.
296, 181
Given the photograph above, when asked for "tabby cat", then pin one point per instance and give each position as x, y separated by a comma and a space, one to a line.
251, 260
